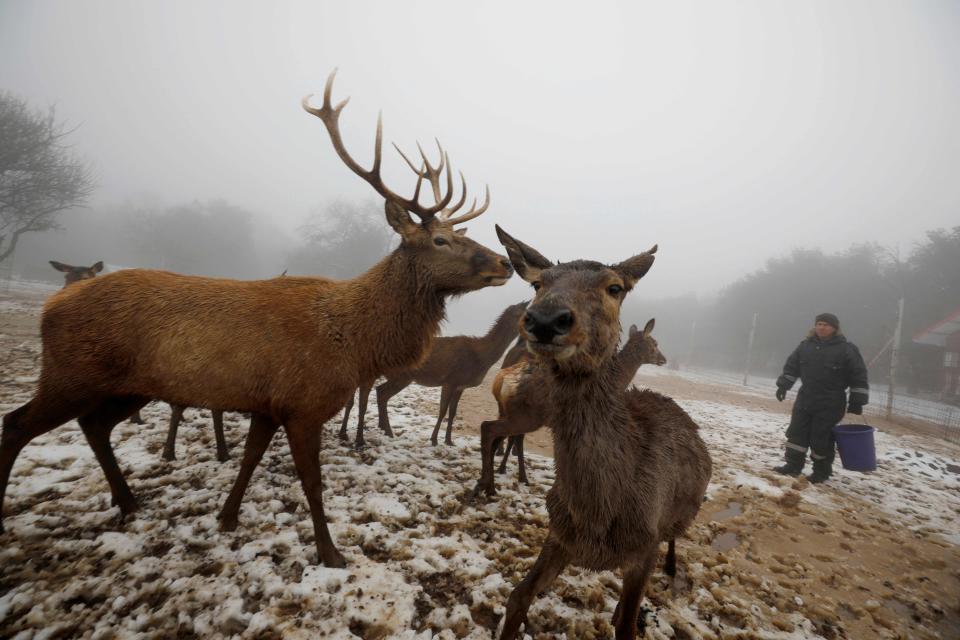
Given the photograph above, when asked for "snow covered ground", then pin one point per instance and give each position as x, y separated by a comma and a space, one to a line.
867, 556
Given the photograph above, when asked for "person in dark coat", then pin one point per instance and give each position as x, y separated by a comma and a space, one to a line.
826, 364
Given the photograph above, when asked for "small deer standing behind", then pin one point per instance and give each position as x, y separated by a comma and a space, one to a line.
454, 364
519, 393
631, 470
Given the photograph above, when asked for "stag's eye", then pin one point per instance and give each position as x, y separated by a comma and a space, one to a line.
614, 289
535, 285
440, 241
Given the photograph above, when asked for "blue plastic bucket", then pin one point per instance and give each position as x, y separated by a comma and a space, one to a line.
855, 442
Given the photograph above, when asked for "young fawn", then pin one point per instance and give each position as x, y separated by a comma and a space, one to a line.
631, 470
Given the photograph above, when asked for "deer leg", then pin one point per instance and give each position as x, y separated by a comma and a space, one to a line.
549, 564
506, 453
454, 401
670, 562
176, 415
304, 440
386, 391
628, 609
490, 432
444, 404
521, 463
97, 426
347, 408
20, 426
362, 413
259, 436
223, 453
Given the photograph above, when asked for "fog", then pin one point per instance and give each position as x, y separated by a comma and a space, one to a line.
728, 133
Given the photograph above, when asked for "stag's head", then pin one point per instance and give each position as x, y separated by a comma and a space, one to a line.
73, 274
574, 319
644, 345
451, 261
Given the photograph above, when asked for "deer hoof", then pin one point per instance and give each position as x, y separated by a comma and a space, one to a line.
448, 441
335, 560
169, 456
388, 432
228, 524
223, 457
342, 435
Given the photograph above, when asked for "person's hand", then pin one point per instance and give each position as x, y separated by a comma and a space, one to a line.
781, 393
855, 409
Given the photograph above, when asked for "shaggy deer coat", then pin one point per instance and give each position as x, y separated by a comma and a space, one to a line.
631, 470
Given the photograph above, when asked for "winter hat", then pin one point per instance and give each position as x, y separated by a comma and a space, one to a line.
830, 319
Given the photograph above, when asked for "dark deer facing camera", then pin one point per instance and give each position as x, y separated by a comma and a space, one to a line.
519, 394
631, 470
288, 355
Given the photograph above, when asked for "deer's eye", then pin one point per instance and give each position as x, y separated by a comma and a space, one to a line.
614, 289
440, 241
535, 285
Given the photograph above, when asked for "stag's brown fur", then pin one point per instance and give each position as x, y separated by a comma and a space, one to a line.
523, 406
631, 470
455, 364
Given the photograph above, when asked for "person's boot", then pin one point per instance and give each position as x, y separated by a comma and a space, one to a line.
822, 469
794, 463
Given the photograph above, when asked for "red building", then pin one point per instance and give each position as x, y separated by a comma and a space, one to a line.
946, 335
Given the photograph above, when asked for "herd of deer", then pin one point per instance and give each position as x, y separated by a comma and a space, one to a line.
631, 470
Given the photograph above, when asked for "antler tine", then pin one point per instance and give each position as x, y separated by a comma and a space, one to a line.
474, 212
330, 116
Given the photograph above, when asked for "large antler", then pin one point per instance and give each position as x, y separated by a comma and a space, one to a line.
433, 174
330, 116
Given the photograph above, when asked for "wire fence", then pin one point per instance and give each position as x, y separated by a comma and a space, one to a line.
933, 416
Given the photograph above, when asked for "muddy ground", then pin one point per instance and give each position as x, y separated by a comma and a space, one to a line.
864, 556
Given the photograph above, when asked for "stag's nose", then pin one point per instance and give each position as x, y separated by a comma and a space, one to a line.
546, 324
507, 266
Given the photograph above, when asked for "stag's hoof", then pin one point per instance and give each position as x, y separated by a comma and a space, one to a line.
448, 441
169, 456
388, 432
223, 458
433, 441
342, 435
334, 560
228, 523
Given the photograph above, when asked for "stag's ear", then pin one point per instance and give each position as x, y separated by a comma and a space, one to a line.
636, 267
59, 266
633, 330
462, 231
527, 261
98, 267
399, 219
647, 330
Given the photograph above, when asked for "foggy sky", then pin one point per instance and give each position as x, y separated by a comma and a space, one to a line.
726, 132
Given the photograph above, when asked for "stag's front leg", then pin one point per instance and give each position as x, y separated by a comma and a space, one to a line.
452, 413
304, 438
362, 413
259, 436
545, 570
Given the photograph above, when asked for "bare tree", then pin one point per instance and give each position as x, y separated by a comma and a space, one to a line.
342, 239
39, 176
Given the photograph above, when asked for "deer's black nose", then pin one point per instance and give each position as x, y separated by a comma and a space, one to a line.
547, 323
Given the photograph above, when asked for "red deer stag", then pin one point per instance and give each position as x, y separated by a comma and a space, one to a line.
288, 355
518, 391
631, 470
454, 364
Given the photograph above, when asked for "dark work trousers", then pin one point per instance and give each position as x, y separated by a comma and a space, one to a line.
812, 427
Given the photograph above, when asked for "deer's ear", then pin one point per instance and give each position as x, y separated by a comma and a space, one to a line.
98, 267
462, 231
647, 330
527, 261
636, 267
633, 330
399, 219
59, 266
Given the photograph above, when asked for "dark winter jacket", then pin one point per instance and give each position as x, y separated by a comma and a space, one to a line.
826, 368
